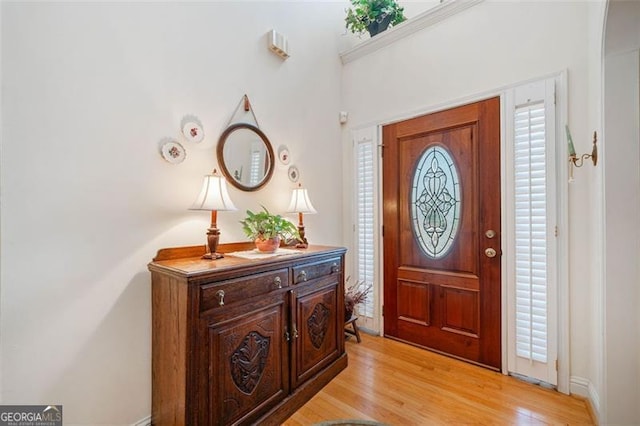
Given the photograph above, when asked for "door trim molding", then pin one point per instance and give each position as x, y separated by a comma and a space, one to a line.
563, 305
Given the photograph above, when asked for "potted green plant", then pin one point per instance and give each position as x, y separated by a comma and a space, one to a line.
373, 16
267, 230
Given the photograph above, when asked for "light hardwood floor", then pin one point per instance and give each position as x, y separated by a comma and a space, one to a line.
398, 384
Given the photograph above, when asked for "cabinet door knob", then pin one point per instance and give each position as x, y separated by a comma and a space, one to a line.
220, 295
295, 332
302, 276
335, 268
286, 334
278, 282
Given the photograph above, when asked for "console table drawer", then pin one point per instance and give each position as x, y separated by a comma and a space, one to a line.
223, 293
311, 271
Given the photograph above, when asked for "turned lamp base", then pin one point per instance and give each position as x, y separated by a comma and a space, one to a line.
213, 237
303, 243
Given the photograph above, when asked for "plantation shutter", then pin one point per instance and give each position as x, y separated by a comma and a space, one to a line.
365, 226
531, 227
531, 224
256, 167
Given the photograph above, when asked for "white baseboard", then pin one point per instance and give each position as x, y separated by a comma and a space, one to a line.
579, 386
583, 387
143, 422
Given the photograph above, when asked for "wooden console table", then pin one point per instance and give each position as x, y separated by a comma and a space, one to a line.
244, 341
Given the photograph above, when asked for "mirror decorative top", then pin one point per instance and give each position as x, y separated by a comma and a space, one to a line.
246, 156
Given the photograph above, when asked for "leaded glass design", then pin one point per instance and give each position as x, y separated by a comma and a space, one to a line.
435, 201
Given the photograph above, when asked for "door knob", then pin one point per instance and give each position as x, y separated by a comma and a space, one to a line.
489, 252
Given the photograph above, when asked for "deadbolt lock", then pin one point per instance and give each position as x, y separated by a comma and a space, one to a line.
490, 252
490, 233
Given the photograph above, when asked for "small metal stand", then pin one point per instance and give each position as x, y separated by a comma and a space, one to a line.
355, 331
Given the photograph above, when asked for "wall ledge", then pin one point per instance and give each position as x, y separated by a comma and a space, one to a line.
424, 20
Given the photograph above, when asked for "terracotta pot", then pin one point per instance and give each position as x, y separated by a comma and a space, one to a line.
267, 246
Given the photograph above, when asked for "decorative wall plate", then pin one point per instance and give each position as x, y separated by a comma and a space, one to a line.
173, 152
294, 174
193, 132
283, 154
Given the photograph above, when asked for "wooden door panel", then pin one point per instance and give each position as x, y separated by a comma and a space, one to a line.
441, 190
414, 302
460, 311
463, 254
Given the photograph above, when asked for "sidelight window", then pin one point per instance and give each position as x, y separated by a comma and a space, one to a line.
531, 259
366, 226
531, 232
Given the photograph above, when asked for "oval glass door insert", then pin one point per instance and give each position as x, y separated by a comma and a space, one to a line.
435, 202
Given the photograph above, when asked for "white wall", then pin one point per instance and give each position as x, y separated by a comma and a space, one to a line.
622, 219
620, 205
484, 48
595, 348
89, 90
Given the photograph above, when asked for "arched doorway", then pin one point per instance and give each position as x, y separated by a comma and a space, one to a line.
621, 199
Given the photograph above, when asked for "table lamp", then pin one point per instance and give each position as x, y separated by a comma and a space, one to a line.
301, 204
214, 197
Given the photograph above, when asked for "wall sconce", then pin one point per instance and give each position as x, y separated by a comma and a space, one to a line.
300, 204
578, 161
213, 196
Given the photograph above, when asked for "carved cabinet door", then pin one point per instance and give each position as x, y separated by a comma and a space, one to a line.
315, 330
248, 363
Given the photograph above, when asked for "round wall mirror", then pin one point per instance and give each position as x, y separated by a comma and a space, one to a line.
245, 156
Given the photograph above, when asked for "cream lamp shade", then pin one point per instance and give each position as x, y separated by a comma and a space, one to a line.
213, 195
300, 202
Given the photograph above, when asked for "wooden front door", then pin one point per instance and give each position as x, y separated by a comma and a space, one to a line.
441, 215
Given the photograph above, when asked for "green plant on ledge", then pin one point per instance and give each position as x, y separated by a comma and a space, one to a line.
373, 16
264, 226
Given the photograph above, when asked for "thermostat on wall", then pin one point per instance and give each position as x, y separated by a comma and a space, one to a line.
278, 44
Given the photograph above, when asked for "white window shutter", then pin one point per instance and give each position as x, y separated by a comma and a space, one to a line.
256, 166
531, 232
531, 253
365, 220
